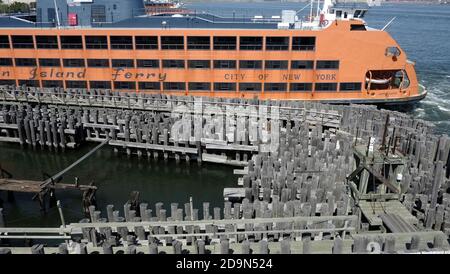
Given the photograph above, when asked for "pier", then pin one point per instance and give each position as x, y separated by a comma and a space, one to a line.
313, 178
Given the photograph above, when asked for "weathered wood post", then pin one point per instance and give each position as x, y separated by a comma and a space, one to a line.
263, 247
2, 218
107, 248
224, 246
245, 246
62, 249
153, 248
389, 244
200, 246
37, 249
5, 251
285, 246
338, 246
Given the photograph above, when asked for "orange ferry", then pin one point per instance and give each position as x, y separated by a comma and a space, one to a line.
331, 56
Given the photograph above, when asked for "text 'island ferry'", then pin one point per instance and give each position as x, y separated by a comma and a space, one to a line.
331, 56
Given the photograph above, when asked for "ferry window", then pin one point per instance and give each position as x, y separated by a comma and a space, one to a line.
224, 64
225, 86
276, 64
76, 84
124, 85
52, 84
146, 42
25, 62
149, 85
199, 64
96, 42
225, 43
7, 82
250, 64
357, 27
173, 64
304, 43
199, 42
121, 42
47, 42
300, 87
74, 63
277, 43
199, 86
350, 87
302, 64
100, 84
22, 41
51, 15
250, 86
98, 63
251, 43
392, 51
71, 42
174, 86
4, 42
327, 64
326, 87
98, 13
49, 62
172, 42
6, 62
147, 63
122, 63
29, 83
275, 87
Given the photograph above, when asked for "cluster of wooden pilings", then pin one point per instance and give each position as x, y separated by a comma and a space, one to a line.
40, 126
294, 197
158, 230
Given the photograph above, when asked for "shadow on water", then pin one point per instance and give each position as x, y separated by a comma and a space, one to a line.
116, 176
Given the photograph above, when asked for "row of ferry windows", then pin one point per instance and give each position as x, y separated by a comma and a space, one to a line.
192, 86
155, 42
193, 64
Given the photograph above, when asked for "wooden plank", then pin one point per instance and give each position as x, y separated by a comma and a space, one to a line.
372, 210
9, 139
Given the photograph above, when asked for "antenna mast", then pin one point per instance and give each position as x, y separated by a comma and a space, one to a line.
58, 24
318, 8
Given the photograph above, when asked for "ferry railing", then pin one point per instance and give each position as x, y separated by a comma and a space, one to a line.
23, 45
71, 46
277, 47
225, 46
122, 46
147, 46
305, 48
96, 46
47, 46
251, 47
199, 46
172, 46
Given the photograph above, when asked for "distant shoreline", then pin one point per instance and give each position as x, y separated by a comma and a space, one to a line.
305, 1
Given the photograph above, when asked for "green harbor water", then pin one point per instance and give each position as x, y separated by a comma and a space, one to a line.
115, 175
